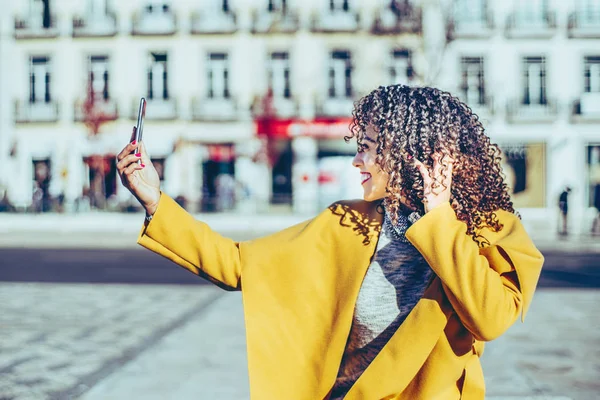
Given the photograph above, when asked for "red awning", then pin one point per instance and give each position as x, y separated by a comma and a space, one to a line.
324, 128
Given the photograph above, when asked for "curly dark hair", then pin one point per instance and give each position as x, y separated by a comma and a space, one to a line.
423, 122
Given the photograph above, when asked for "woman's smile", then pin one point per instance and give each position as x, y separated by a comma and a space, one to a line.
365, 177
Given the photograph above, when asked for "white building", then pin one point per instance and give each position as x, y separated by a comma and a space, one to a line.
530, 69
202, 65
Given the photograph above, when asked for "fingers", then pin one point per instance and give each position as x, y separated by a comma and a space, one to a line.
423, 170
131, 146
131, 168
127, 162
440, 174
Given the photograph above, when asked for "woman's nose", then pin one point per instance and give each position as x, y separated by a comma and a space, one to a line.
356, 161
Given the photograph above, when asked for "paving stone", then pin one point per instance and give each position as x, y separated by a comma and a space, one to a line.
60, 335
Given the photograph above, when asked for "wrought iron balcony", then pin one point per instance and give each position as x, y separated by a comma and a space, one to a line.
471, 28
390, 21
156, 109
36, 28
518, 112
95, 25
584, 25
154, 22
39, 111
275, 21
213, 22
586, 109
215, 109
521, 25
108, 109
335, 21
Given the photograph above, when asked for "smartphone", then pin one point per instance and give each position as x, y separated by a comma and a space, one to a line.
139, 128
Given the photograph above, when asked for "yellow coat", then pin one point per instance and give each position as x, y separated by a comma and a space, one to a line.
299, 287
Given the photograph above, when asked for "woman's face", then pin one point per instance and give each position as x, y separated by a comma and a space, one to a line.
374, 179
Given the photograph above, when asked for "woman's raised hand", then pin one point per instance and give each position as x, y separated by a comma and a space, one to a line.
437, 182
142, 180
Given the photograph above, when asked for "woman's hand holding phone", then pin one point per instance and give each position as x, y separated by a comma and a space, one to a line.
141, 180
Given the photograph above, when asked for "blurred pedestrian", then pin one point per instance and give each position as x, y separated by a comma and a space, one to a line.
392, 296
563, 206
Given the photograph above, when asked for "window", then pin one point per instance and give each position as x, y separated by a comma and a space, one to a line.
532, 11
39, 80
218, 75
157, 77
98, 76
39, 11
534, 74
277, 6
591, 74
470, 11
340, 74
279, 75
400, 67
339, 5
473, 82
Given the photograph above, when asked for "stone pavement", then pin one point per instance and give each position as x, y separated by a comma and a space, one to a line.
121, 342
58, 340
555, 355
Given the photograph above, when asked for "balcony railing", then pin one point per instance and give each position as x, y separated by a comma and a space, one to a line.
586, 108
517, 112
520, 25
215, 109
334, 107
584, 25
152, 22
471, 28
40, 111
34, 28
389, 22
335, 21
268, 22
156, 109
95, 25
107, 108
213, 22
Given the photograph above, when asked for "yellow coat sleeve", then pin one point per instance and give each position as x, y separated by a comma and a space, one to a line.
178, 236
488, 287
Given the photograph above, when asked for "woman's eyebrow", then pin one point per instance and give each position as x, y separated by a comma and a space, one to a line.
368, 139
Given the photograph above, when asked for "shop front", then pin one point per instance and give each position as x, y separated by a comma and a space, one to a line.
310, 161
524, 165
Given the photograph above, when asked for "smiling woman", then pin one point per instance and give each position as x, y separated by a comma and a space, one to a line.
454, 158
374, 179
387, 297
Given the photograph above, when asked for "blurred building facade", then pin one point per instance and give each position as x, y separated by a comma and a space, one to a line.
204, 68
249, 99
531, 71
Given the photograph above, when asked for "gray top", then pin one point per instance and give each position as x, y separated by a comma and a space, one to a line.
393, 284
